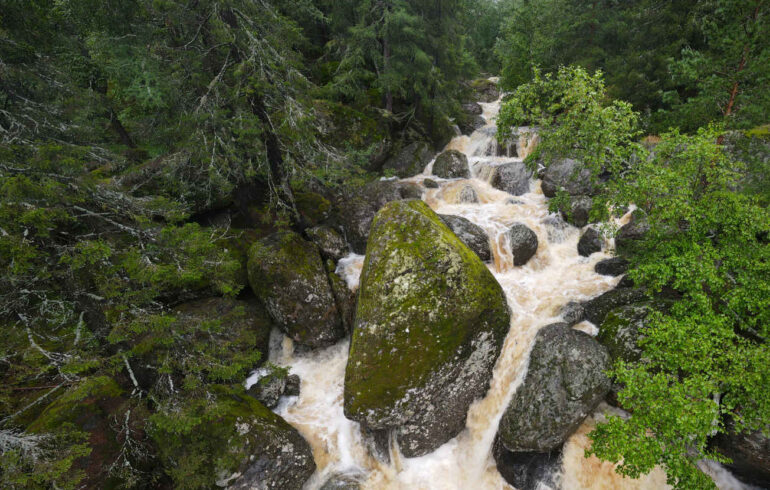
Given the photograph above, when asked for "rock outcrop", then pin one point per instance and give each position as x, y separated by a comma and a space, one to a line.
430, 323
565, 382
331, 244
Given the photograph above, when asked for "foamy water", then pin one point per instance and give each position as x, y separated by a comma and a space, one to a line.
556, 275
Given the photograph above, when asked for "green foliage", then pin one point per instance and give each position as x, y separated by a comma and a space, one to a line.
576, 120
704, 360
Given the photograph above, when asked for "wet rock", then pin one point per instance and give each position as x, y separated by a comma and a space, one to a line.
269, 388
410, 190
750, 453
329, 242
470, 234
528, 470
572, 313
473, 108
557, 229
274, 454
596, 309
631, 232
292, 385
590, 242
469, 124
357, 212
614, 266
565, 382
468, 195
514, 202
621, 331
451, 164
343, 482
568, 174
286, 273
513, 178
430, 322
579, 211
430, 184
411, 160
523, 243
344, 297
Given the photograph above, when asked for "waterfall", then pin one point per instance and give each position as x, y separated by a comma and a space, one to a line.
535, 292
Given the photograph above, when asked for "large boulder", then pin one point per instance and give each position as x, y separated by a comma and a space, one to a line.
410, 160
596, 309
590, 242
523, 243
486, 90
565, 382
451, 164
430, 322
630, 233
357, 212
470, 234
569, 175
750, 454
331, 244
513, 178
287, 274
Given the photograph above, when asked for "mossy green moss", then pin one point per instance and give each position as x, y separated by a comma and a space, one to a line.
215, 441
312, 206
424, 297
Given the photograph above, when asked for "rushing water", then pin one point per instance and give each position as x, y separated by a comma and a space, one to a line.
535, 292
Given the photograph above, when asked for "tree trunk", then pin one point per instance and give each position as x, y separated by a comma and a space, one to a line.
386, 66
278, 174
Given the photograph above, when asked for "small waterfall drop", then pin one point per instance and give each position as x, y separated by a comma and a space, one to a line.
535, 292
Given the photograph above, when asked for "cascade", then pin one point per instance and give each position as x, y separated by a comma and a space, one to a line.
536, 292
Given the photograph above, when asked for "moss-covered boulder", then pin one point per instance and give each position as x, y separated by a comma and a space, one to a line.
621, 331
287, 274
410, 160
596, 309
451, 164
512, 177
430, 322
235, 442
485, 90
565, 382
471, 234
